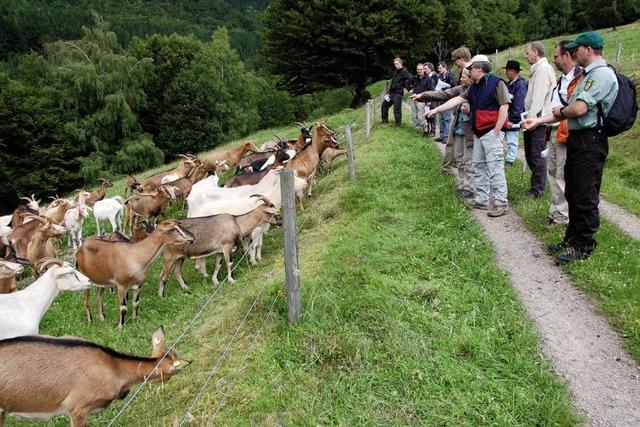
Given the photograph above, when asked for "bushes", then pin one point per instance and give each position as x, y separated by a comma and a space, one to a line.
137, 155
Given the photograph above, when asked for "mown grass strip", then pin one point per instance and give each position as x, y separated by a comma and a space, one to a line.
611, 277
406, 319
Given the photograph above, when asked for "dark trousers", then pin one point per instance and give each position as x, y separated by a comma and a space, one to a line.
586, 154
534, 144
396, 101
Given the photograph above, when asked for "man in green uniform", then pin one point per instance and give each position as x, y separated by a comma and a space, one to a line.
587, 146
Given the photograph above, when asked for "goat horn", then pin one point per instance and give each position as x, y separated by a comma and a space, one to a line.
264, 199
45, 263
37, 218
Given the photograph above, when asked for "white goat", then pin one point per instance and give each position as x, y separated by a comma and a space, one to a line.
73, 221
110, 209
21, 311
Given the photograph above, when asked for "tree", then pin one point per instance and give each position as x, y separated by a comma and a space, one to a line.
336, 43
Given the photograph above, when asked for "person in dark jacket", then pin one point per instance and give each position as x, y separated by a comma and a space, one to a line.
395, 92
418, 84
518, 90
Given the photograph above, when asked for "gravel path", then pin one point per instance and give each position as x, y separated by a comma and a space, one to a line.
602, 378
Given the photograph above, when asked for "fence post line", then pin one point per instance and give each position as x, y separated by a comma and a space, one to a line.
619, 57
367, 119
509, 52
350, 154
497, 58
373, 115
292, 273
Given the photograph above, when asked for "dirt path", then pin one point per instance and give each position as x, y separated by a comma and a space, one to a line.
626, 221
602, 378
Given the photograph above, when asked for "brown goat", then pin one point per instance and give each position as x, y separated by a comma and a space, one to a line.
133, 185
39, 246
19, 214
150, 205
58, 209
45, 376
21, 236
125, 265
187, 163
215, 234
183, 185
98, 194
330, 154
8, 272
232, 156
252, 178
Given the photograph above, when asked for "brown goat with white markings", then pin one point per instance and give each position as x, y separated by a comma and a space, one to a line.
125, 265
187, 164
44, 376
98, 194
150, 205
8, 272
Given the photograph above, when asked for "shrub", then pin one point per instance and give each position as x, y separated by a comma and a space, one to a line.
136, 155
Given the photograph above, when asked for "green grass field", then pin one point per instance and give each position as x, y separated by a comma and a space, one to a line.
405, 317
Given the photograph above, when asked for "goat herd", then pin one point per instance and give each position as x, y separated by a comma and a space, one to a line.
44, 376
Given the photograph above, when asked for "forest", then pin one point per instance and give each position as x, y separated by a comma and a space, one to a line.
93, 89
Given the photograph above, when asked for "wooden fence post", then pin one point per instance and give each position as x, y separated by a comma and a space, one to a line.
509, 52
619, 57
292, 272
350, 154
496, 58
367, 119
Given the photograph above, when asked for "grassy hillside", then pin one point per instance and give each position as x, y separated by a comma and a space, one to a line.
621, 183
405, 317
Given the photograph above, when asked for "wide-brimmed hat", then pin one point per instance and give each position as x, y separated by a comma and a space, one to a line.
512, 65
590, 38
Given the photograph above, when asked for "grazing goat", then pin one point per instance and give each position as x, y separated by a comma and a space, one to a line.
232, 157
217, 234
8, 272
187, 163
133, 185
125, 265
40, 247
73, 221
110, 209
98, 194
330, 155
21, 311
150, 205
45, 376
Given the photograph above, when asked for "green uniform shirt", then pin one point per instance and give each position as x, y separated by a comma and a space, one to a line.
599, 85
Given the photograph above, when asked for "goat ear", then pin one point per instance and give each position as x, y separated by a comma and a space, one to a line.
180, 364
157, 342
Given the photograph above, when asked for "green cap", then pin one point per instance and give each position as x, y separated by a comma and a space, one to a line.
590, 38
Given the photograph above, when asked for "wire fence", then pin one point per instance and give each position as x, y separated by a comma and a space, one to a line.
311, 210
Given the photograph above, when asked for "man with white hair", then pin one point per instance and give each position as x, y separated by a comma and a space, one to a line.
537, 103
488, 98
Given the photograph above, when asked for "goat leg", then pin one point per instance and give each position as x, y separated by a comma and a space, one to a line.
100, 300
135, 294
86, 294
201, 266
122, 301
177, 271
214, 277
227, 259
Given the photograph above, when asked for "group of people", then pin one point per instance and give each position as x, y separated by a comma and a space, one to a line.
481, 116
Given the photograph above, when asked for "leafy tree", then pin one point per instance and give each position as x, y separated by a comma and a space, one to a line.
209, 102
335, 43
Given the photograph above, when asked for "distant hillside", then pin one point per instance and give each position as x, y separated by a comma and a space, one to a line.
26, 25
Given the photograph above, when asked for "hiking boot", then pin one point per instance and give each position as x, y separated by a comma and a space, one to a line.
497, 211
553, 248
572, 254
473, 204
437, 139
465, 194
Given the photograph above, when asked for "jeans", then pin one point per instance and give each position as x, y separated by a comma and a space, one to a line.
445, 124
488, 169
512, 145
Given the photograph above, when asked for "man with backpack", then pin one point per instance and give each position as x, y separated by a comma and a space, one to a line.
588, 114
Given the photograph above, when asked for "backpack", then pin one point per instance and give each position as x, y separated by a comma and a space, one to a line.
624, 109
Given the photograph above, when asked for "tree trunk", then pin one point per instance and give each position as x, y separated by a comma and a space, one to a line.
361, 95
